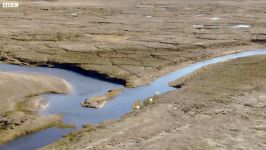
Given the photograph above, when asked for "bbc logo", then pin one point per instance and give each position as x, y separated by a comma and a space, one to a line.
10, 4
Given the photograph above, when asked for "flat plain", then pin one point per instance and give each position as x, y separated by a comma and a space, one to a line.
133, 41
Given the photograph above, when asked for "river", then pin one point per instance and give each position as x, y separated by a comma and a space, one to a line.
83, 87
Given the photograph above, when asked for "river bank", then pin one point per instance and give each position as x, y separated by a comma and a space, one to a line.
131, 41
20, 102
219, 108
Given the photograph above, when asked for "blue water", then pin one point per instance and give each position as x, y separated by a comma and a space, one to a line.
83, 87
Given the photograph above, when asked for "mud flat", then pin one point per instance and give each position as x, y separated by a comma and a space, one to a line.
132, 41
20, 102
218, 107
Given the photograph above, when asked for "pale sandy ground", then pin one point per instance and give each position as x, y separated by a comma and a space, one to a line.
14, 87
219, 107
19, 103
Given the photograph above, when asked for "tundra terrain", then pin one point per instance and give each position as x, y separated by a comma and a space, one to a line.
132, 41
219, 107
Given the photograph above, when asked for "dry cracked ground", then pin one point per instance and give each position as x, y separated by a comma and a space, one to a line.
133, 41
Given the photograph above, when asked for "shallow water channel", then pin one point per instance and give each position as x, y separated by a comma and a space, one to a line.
83, 87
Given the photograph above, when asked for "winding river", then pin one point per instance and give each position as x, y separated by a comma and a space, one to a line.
84, 87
